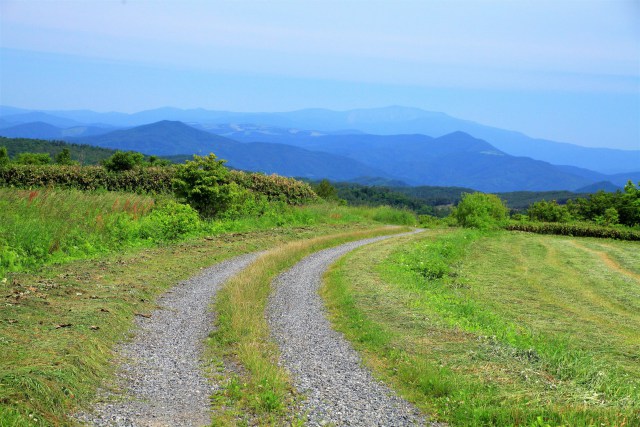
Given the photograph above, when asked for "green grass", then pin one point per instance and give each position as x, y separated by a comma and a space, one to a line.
41, 226
498, 329
54, 225
259, 392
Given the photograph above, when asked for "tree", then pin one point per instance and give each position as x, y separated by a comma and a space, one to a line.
157, 161
64, 157
33, 159
123, 161
548, 212
4, 156
204, 184
480, 210
325, 190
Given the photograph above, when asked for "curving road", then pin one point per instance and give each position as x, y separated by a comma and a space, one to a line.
323, 365
161, 377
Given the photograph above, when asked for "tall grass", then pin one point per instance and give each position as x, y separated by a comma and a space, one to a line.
39, 226
52, 225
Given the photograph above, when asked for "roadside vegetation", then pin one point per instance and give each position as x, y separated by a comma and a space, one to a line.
498, 328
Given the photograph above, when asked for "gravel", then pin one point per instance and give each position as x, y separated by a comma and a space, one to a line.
324, 367
160, 379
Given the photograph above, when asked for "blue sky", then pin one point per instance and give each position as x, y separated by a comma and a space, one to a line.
562, 70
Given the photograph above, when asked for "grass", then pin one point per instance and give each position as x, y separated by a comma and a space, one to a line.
38, 227
68, 301
498, 329
259, 392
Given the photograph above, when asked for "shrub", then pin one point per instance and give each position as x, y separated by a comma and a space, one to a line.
480, 210
145, 180
204, 183
548, 212
123, 161
170, 221
33, 159
4, 156
325, 190
275, 187
139, 180
576, 229
64, 157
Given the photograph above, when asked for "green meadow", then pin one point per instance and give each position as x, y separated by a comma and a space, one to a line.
498, 328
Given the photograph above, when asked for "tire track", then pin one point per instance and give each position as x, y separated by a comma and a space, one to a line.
160, 380
607, 260
324, 366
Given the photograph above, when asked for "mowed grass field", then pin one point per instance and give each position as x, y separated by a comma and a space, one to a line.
505, 328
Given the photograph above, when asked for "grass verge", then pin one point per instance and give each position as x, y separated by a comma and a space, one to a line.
58, 324
256, 390
499, 329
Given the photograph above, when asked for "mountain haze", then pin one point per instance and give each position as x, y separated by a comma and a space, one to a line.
392, 120
169, 138
456, 159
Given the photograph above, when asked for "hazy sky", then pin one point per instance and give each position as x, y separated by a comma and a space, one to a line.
563, 70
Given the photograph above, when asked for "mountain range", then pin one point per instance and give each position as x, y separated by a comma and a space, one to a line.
376, 145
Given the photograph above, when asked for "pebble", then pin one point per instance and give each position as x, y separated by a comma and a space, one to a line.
324, 366
160, 380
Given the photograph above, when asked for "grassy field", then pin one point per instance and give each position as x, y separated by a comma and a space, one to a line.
498, 329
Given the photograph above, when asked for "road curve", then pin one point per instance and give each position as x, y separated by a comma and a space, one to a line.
324, 367
161, 377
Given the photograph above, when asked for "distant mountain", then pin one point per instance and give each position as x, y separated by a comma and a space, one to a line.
453, 160
36, 130
456, 159
42, 130
401, 120
392, 120
39, 117
619, 180
607, 186
170, 138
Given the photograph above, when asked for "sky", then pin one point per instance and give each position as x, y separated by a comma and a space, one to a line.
562, 70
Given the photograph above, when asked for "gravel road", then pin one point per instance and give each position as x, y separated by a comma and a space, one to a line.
324, 367
161, 377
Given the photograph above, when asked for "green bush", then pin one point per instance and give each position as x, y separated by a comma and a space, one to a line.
275, 187
204, 183
170, 221
326, 191
4, 156
64, 157
576, 229
482, 211
123, 161
548, 212
33, 159
145, 180
139, 180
